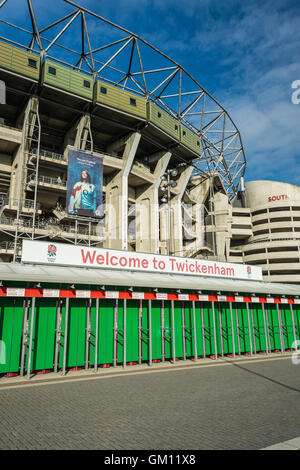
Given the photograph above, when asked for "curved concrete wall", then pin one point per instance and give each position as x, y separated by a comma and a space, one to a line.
275, 243
264, 194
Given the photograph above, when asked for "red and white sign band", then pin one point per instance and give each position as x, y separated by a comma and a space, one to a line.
108, 294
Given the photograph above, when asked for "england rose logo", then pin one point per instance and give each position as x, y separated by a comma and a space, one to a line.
52, 253
249, 270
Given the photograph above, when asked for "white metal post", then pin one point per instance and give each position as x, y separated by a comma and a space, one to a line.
195, 331
97, 335
31, 338
65, 337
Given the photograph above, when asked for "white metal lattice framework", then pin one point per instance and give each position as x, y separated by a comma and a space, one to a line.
88, 42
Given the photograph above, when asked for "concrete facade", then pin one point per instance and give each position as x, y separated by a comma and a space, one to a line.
34, 185
273, 242
36, 134
198, 220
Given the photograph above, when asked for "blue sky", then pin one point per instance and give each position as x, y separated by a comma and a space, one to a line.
245, 53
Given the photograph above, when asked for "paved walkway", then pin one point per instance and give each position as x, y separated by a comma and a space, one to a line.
292, 444
242, 405
71, 375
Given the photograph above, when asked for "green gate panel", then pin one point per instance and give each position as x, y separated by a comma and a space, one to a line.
105, 331
168, 330
190, 329
272, 313
296, 308
156, 306
260, 338
43, 340
94, 314
198, 329
120, 345
178, 329
44, 330
132, 331
209, 336
225, 322
75, 356
218, 329
63, 337
234, 326
287, 326
245, 328
145, 326
11, 321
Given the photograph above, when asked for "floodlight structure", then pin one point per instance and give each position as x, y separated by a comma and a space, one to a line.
131, 63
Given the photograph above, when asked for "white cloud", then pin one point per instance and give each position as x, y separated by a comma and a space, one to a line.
260, 52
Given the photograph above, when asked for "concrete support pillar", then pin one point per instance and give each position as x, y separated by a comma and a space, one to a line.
198, 192
80, 135
176, 213
147, 208
223, 216
199, 225
116, 220
164, 231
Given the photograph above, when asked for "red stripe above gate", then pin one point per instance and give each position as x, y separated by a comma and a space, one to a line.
102, 294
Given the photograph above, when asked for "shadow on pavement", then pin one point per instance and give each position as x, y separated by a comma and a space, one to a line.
265, 377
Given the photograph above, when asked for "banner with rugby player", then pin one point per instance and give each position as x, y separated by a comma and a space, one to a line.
84, 186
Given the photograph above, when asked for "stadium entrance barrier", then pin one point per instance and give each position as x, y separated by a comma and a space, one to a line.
56, 330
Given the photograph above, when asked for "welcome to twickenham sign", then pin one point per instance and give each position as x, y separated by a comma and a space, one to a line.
100, 258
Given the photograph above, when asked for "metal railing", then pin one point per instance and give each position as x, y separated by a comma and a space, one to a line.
10, 127
45, 224
25, 222
49, 154
9, 246
102, 152
80, 230
47, 180
59, 209
61, 157
13, 203
196, 249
